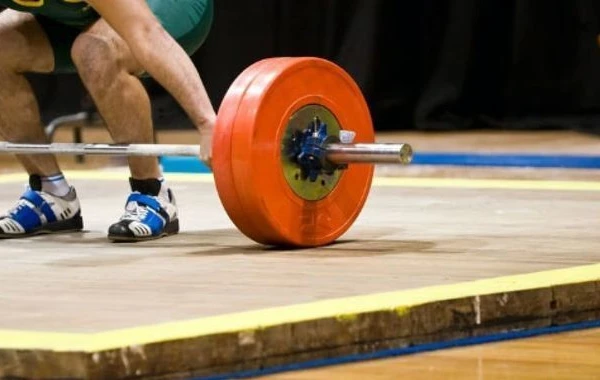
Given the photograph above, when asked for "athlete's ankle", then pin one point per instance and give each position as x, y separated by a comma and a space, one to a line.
156, 187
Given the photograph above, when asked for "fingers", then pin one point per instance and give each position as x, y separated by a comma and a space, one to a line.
206, 148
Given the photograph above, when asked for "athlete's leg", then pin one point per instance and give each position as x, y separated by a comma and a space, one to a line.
50, 204
24, 47
110, 73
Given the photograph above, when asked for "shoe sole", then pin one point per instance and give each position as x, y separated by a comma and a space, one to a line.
74, 224
170, 229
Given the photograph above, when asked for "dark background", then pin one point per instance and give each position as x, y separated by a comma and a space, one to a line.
427, 65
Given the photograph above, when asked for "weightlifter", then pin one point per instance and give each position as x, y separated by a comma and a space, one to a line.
110, 44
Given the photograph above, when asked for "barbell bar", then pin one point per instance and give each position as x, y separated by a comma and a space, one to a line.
338, 153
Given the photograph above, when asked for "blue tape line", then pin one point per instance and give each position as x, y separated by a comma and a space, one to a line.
507, 160
183, 165
193, 165
407, 350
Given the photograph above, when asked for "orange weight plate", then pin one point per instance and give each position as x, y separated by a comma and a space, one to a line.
281, 207
222, 159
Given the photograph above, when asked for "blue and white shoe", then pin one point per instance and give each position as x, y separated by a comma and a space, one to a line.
148, 215
38, 212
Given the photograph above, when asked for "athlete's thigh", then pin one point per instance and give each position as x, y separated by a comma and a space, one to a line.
24, 45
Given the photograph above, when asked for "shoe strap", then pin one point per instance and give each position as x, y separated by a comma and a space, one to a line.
41, 204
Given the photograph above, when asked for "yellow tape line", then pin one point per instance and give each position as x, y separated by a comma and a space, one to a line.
342, 308
109, 176
419, 182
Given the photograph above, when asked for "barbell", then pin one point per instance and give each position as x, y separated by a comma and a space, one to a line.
292, 151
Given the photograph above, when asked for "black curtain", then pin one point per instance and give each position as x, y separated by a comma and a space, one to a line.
431, 64
427, 65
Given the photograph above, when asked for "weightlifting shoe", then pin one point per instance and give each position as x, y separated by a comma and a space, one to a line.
150, 213
38, 212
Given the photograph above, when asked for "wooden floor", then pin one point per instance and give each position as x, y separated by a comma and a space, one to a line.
405, 238
572, 355
426, 233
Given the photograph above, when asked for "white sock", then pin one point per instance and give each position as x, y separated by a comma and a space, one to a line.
56, 185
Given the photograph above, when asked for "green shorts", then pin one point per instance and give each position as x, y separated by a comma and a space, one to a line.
187, 21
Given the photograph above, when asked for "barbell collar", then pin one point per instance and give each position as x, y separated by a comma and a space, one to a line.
369, 153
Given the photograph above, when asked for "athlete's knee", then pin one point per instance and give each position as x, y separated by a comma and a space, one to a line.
97, 59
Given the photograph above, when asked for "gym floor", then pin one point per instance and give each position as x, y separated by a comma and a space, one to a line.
494, 254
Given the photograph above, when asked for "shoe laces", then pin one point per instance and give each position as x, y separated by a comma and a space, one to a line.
135, 211
21, 204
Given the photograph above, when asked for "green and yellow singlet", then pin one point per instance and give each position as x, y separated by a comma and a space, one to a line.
187, 21
70, 12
